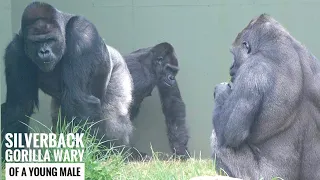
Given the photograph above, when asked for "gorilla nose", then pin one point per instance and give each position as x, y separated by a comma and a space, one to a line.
43, 53
171, 78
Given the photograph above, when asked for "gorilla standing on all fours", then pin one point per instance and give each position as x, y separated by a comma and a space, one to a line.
267, 120
158, 66
64, 56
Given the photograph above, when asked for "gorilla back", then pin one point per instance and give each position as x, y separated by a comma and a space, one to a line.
267, 120
64, 56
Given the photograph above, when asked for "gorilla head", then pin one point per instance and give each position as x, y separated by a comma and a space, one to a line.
263, 38
165, 64
44, 41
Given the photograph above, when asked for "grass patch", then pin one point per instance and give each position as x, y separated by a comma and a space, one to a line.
103, 164
156, 169
114, 168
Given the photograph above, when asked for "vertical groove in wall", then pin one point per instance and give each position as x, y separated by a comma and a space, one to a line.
5, 36
11, 14
133, 26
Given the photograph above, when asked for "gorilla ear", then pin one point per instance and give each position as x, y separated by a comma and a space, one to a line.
37, 10
163, 47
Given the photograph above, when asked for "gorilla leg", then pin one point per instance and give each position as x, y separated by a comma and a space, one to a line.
311, 155
116, 114
227, 161
115, 106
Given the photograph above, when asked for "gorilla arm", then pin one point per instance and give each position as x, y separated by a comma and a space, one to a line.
83, 45
23, 74
22, 90
241, 107
174, 111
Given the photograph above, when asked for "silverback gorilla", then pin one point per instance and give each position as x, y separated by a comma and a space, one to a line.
158, 66
267, 120
64, 56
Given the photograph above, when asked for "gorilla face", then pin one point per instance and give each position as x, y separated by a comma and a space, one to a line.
165, 65
240, 53
264, 39
44, 44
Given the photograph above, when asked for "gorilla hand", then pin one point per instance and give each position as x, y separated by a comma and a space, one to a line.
221, 92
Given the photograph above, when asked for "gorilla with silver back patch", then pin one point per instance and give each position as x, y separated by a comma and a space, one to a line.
64, 56
267, 120
158, 66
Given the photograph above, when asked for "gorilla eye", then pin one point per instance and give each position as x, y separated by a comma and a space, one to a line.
247, 46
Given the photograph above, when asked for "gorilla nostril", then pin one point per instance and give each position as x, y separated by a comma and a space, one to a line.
171, 78
44, 52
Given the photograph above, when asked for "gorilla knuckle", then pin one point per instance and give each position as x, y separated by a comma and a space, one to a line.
222, 87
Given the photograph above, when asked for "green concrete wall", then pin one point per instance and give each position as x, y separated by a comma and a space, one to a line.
201, 31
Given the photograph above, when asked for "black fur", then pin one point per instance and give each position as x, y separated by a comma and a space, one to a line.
65, 57
158, 66
266, 121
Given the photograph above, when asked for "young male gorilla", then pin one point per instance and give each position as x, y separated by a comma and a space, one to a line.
64, 56
158, 66
267, 120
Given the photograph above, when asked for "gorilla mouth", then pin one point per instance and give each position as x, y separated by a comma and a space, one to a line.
232, 73
46, 66
47, 60
44, 60
165, 82
232, 79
